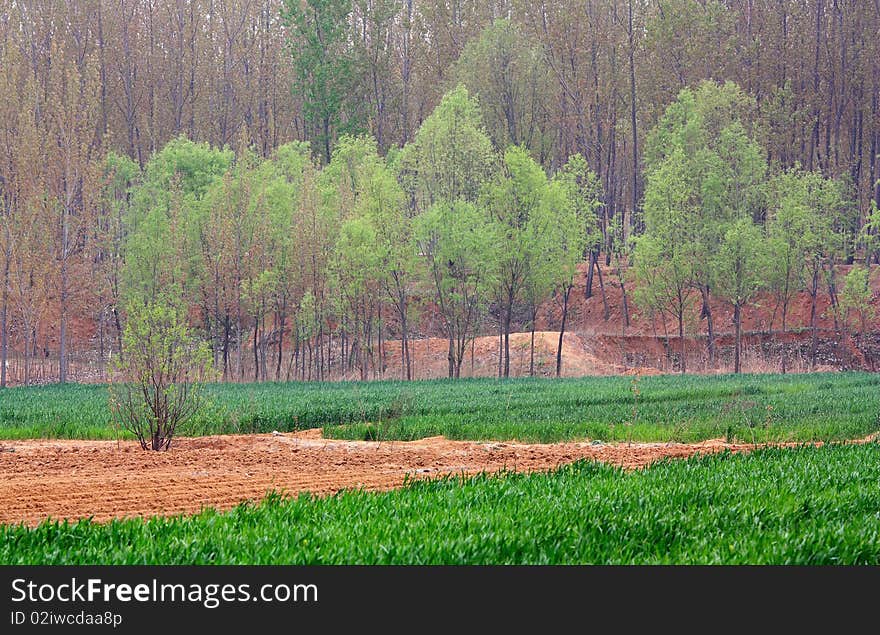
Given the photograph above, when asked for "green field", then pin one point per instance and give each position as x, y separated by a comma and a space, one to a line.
793, 506
821, 406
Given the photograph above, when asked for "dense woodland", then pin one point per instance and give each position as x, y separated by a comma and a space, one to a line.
303, 178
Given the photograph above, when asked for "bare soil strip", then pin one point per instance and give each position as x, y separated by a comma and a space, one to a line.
103, 480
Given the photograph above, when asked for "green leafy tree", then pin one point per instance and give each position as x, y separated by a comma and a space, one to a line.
856, 303
324, 66
740, 267
461, 250
663, 255
515, 200
803, 230
869, 235
158, 380
383, 204
351, 193
451, 155
355, 270
722, 168
789, 229
280, 198
161, 246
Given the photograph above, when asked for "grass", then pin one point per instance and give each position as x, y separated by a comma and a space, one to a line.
811, 506
820, 406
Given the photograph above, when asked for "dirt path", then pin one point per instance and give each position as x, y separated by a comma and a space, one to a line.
103, 480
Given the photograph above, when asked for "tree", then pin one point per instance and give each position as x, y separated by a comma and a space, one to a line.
121, 176
162, 241
507, 73
515, 200
722, 169
158, 386
384, 204
856, 303
461, 250
740, 266
869, 235
355, 272
451, 155
577, 227
547, 246
663, 256
803, 222
347, 196
323, 65
788, 228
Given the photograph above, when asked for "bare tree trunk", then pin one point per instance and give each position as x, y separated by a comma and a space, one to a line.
565, 296
256, 351
500, 346
507, 319
4, 331
62, 352
832, 293
27, 356
814, 290
118, 324
280, 345
404, 348
406, 74
450, 357
681, 333
814, 137
737, 320
238, 352
381, 349
532, 351
602, 289
588, 289
226, 347
632, 111
784, 315
707, 313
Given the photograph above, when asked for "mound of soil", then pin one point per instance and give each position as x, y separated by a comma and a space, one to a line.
430, 357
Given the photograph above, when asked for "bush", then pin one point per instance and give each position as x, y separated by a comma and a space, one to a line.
157, 380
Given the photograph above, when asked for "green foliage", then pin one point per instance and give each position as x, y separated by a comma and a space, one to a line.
355, 263
583, 193
869, 235
522, 217
460, 246
856, 299
704, 194
741, 263
158, 373
160, 245
451, 156
508, 74
807, 407
324, 66
120, 174
804, 235
806, 506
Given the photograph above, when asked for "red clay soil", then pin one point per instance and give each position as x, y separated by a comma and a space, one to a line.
105, 480
597, 342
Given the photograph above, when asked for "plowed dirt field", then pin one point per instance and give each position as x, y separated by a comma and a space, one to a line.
42, 479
